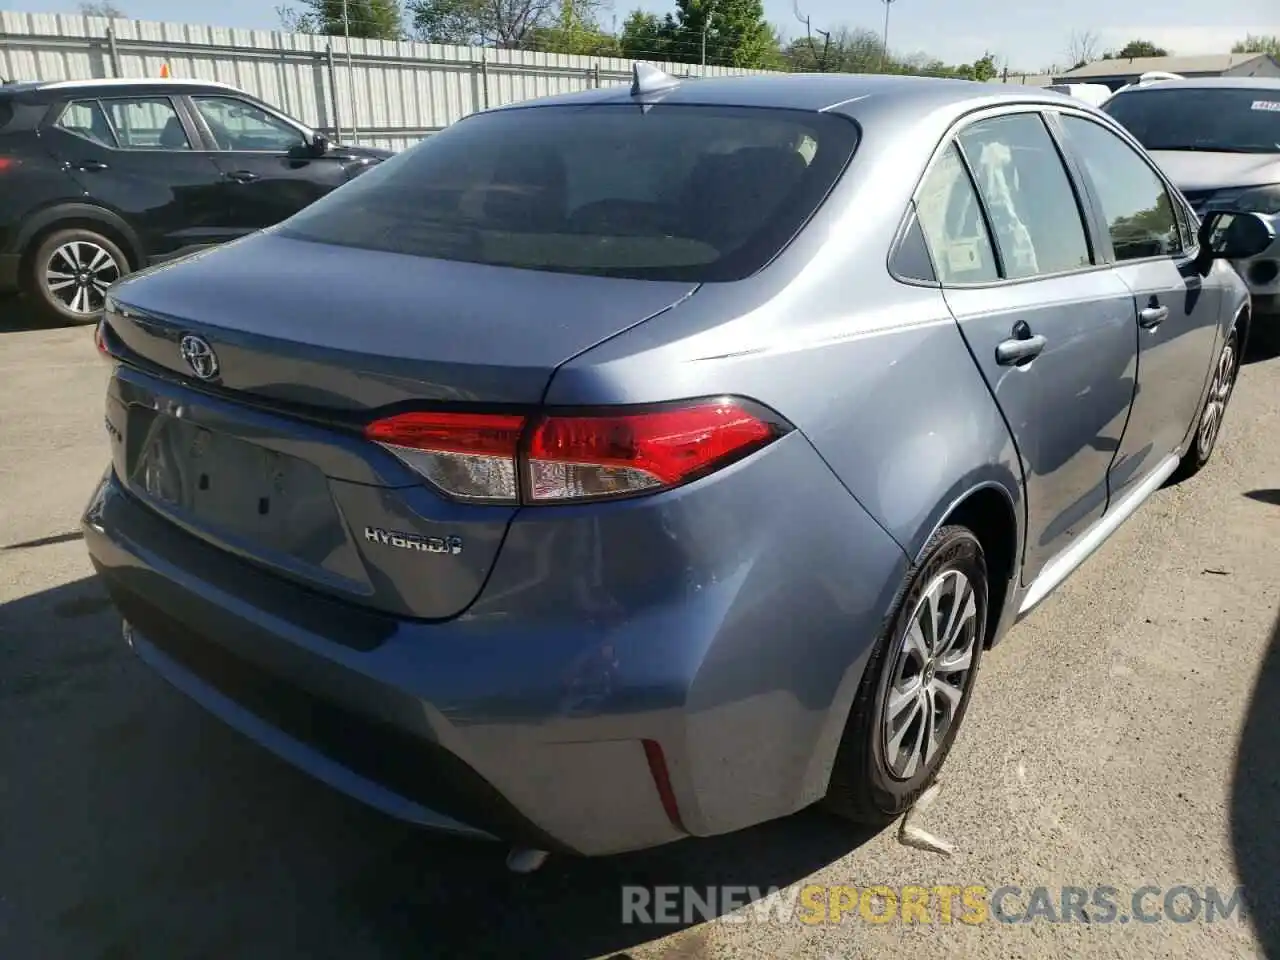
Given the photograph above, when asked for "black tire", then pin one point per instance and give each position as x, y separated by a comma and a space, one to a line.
1202, 444
61, 306
863, 786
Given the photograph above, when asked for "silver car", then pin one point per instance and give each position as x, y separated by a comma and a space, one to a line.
653, 462
1218, 139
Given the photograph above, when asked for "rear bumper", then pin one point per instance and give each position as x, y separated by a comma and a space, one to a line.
9, 263
524, 719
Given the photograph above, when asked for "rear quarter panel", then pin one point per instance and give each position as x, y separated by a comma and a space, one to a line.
35, 182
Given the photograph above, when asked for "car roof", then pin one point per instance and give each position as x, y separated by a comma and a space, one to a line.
155, 83
816, 92
1207, 83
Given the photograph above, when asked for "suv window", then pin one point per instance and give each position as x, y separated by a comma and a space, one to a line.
85, 119
953, 223
149, 123
1137, 206
677, 192
237, 125
1217, 119
1027, 194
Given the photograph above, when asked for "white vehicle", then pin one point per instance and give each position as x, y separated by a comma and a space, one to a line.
1095, 94
1154, 76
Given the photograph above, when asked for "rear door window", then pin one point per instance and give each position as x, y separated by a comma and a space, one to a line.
147, 123
663, 192
1028, 196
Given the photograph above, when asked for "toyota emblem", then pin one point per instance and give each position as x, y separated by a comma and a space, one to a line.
199, 356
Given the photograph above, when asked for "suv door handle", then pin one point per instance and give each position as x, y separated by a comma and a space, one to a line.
89, 166
243, 176
1151, 317
1023, 347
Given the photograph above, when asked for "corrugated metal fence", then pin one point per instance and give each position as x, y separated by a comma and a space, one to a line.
376, 92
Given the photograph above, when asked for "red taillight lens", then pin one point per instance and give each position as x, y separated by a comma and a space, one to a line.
471, 456
8, 163
100, 339
478, 457
572, 458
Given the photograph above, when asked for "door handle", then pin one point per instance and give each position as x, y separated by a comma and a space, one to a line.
243, 176
1151, 317
91, 166
1020, 349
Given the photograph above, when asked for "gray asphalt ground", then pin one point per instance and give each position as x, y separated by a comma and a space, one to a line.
1124, 735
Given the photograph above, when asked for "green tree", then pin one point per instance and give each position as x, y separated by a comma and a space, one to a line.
367, 19
645, 36
510, 24
1135, 49
733, 33
1259, 44
576, 31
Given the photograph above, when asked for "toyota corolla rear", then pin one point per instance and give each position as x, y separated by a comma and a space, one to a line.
340, 515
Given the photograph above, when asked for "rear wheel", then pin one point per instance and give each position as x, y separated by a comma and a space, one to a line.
69, 272
916, 686
1209, 426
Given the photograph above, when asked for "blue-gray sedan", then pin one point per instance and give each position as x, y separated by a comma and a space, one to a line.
655, 461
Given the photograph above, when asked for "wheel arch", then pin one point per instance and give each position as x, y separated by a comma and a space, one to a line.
85, 215
988, 508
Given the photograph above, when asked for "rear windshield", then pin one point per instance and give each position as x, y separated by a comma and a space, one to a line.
664, 193
1221, 120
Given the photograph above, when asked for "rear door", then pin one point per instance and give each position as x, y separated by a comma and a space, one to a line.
135, 155
268, 170
1050, 327
1178, 315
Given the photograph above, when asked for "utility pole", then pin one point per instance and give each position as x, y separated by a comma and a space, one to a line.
884, 45
351, 73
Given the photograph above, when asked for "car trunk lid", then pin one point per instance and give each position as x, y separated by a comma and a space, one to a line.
264, 457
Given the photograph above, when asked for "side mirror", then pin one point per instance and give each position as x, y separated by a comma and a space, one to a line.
320, 144
1234, 236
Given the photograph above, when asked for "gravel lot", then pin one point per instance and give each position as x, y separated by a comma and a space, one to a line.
1124, 735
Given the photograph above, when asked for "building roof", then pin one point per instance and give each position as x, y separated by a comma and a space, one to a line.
1133, 67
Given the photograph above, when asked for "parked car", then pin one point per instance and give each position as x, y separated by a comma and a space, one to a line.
590, 476
1219, 141
101, 177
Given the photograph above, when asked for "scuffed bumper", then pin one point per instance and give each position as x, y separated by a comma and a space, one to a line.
527, 718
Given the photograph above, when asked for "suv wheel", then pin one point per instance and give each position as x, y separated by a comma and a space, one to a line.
915, 688
69, 272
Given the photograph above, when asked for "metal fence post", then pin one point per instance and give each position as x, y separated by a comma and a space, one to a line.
113, 51
484, 79
595, 75
333, 92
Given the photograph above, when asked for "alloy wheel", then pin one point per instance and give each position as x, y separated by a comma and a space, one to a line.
78, 275
928, 682
1215, 407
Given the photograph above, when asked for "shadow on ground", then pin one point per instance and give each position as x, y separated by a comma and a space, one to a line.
1255, 791
136, 826
1263, 344
16, 315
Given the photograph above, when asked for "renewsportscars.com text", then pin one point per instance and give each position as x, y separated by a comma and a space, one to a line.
972, 904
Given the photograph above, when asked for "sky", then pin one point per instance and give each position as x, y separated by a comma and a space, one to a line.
1029, 35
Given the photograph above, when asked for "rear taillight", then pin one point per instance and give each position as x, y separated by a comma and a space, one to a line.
9, 163
508, 458
100, 339
471, 456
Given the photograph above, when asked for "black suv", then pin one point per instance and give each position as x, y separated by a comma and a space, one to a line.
101, 177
